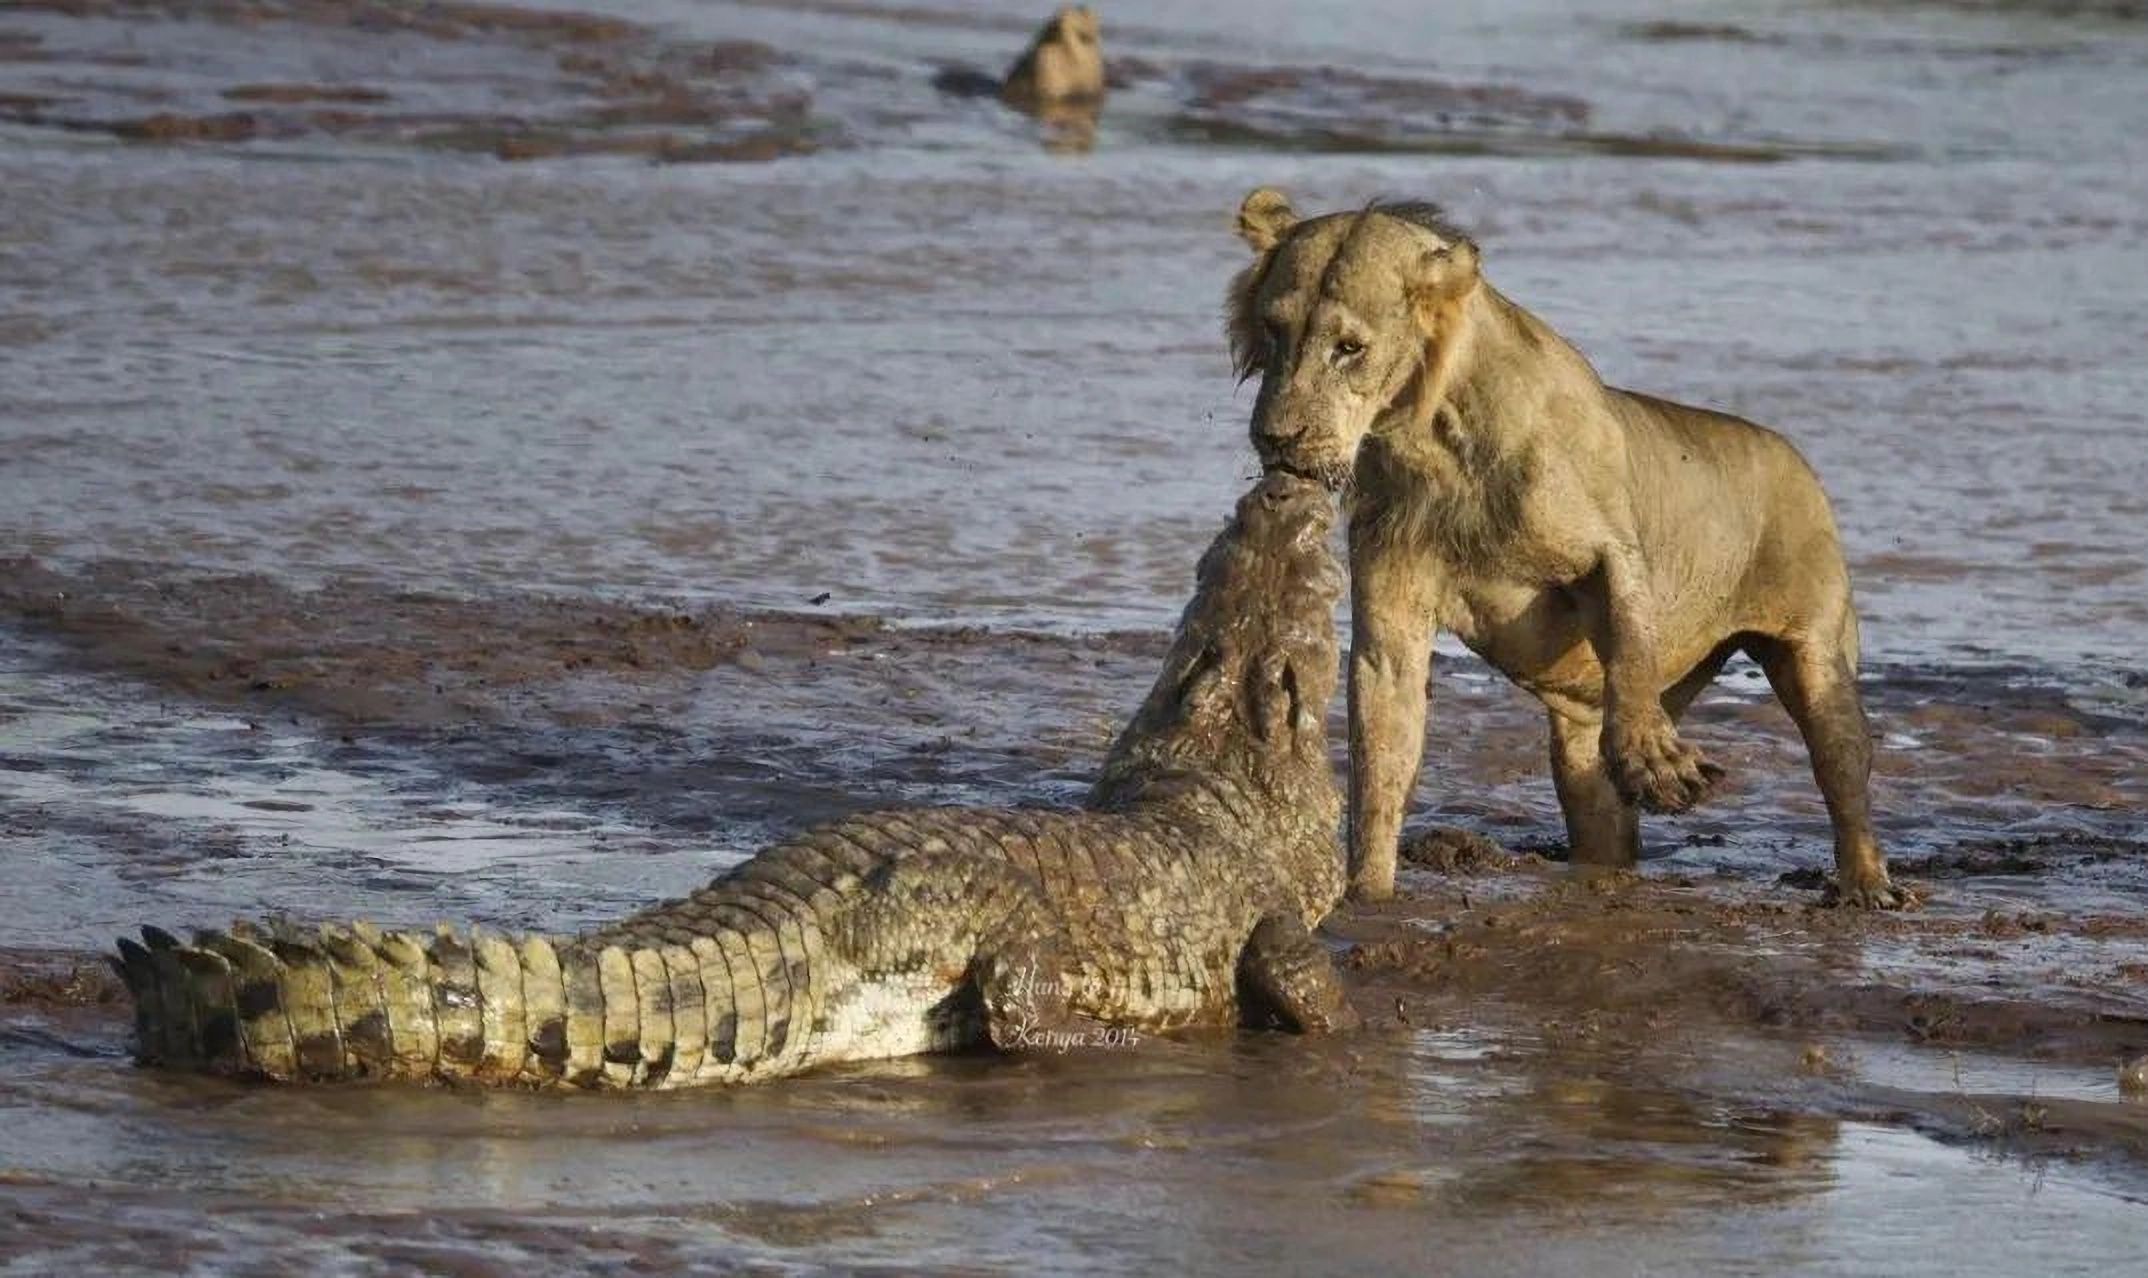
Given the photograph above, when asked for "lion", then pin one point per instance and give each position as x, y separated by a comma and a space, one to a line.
1063, 65
1605, 550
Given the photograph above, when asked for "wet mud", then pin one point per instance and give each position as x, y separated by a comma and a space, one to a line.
1696, 1033
518, 84
392, 531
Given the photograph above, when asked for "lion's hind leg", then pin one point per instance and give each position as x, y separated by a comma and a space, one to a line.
1602, 827
1816, 680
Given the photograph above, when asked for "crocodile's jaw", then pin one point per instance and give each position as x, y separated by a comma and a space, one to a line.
1242, 699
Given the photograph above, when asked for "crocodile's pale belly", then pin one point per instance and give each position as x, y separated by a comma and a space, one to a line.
883, 1017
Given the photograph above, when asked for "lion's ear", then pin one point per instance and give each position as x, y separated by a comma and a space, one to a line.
1264, 218
1442, 274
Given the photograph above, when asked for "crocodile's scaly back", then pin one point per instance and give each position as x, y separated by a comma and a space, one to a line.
1207, 849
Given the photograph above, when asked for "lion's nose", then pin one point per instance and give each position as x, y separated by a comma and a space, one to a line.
1277, 430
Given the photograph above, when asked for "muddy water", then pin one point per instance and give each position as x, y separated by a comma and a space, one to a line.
456, 476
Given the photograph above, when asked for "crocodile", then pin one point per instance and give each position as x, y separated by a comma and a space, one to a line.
1183, 892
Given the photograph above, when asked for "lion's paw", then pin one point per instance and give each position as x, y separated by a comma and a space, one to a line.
1870, 894
1653, 767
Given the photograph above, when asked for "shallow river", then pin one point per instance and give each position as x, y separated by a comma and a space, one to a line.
504, 467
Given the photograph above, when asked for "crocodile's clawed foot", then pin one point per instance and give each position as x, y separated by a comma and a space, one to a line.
1336, 1016
1650, 765
1286, 974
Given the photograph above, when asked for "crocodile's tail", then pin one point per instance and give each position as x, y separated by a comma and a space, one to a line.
287, 1003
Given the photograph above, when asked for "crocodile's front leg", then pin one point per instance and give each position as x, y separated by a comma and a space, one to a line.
1285, 974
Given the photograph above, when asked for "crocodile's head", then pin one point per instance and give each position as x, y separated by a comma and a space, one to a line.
1244, 693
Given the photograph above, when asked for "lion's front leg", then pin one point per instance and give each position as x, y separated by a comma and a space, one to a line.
1602, 827
1648, 761
1390, 663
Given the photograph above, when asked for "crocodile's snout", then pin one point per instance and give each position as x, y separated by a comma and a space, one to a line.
1282, 555
1289, 490
1284, 508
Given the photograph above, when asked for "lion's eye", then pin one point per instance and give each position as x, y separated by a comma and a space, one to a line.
1347, 349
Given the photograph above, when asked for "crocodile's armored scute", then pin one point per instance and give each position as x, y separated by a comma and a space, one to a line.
1188, 882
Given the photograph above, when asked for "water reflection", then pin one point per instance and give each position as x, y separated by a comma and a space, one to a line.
1069, 128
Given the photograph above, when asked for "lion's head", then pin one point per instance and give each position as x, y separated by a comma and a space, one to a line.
1065, 63
1350, 319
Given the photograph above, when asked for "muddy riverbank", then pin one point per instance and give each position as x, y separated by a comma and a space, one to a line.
1605, 1058
506, 463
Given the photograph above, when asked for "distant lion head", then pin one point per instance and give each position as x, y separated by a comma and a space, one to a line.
1065, 63
1349, 320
